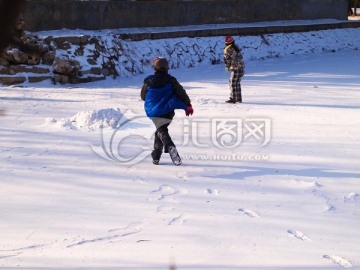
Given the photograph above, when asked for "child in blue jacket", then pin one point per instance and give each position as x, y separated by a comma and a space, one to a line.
163, 94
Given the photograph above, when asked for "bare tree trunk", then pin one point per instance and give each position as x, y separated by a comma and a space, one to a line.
355, 7
350, 12
9, 12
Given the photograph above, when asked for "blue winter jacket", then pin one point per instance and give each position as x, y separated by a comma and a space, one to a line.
160, 97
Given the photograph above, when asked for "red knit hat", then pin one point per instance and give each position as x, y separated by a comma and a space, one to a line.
228, 40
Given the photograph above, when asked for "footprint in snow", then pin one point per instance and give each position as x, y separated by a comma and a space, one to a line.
165, 209
206, 101
9, 256
131, 228
299, 235
351, 197
8, 253
338, 260
164, 191
178, 220
212, 191
249, 213
116, 234
181, 175
329, 207
140, 180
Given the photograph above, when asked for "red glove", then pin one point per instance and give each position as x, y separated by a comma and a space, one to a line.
189, 111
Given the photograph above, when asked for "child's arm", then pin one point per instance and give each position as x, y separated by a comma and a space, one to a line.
143, 91
180, 92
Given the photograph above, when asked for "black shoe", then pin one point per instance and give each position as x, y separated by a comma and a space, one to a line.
231, 101
156, 161
156, 156
174, 156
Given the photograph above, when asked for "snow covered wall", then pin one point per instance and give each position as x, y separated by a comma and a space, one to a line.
101, 54
124, 58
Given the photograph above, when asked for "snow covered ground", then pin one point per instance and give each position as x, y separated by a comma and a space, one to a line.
271, 183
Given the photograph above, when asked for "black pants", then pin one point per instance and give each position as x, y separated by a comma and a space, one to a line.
162, 138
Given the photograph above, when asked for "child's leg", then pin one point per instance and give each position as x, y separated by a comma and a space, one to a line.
158, 148
162, 138
163, 133
231, 85
236, 87
169, 145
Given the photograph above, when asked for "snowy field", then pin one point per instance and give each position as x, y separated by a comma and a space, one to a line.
273, 183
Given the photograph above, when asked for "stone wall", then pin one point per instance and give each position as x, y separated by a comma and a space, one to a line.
93, 15
105, 54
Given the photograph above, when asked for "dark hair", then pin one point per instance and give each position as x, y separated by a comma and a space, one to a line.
161, 64
236, 48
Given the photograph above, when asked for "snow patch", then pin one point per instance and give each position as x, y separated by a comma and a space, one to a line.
307, 184
95, 119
